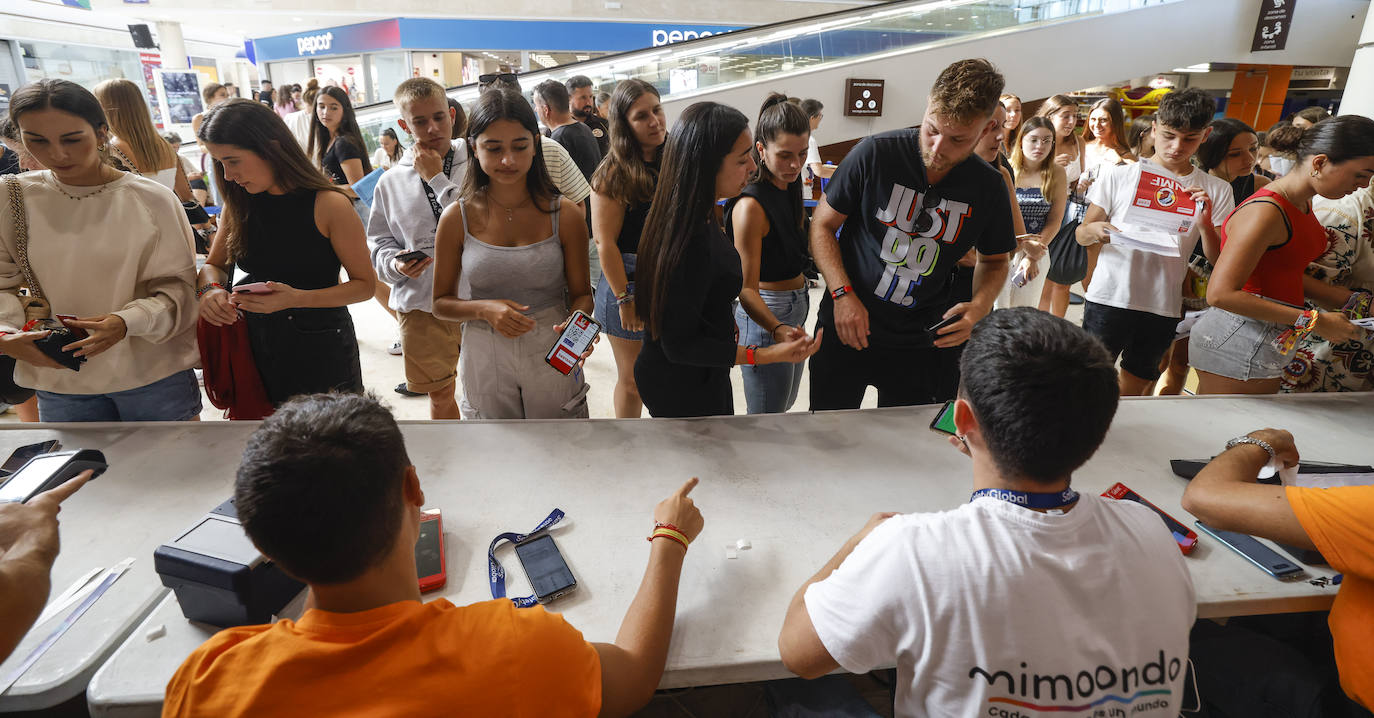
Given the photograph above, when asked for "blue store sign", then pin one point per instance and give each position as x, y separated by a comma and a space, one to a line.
455, 34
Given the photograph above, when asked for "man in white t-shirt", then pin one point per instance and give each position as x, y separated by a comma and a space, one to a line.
1135, 299
1030, 599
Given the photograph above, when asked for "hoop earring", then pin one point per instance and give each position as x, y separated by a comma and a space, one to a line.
100, 148
1316, 174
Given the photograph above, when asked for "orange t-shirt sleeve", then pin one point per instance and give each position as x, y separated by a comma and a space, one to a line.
1337, 521
560, 664
192, 676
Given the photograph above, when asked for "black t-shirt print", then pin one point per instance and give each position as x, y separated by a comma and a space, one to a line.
341, 151
905, 277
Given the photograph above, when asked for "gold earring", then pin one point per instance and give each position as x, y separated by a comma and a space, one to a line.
100, 148
1316, 174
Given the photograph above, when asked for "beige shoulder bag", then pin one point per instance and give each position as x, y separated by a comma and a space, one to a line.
35, 306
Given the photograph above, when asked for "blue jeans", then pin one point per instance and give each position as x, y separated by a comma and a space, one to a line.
176, 398
772, 388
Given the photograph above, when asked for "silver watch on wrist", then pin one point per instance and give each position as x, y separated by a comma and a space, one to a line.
1257, 442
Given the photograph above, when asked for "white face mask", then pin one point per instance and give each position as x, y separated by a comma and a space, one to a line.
1281, 165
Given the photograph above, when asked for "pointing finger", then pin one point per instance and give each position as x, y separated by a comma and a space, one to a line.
687, 487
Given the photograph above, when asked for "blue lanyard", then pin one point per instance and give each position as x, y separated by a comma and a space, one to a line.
497, 575
1055, 500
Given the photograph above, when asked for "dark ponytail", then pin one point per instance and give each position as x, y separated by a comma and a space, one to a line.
1339, 138
779, 116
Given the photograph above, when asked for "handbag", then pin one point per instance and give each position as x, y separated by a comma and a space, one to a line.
1068, 258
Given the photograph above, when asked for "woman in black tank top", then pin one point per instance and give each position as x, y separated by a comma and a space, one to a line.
622, 190
766, 225
291, 230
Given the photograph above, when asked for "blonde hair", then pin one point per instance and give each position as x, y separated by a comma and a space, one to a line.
127, 113
1049, 180
418, 88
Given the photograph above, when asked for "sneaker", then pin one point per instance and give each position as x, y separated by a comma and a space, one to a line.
395, 349
403, 390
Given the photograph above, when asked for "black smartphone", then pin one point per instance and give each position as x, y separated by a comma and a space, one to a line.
934, 330
46, 471
1255, 552
22, 455
429, 551
411, 256
943, 423
549, 574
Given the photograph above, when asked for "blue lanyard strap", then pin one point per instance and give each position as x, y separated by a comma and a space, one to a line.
1054, 500
497, 575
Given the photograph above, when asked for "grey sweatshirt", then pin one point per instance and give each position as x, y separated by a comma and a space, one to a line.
402, 220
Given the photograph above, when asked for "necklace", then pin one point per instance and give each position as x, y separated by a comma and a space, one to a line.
69, 195
510, 211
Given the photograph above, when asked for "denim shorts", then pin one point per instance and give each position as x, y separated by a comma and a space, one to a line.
772, 388
606, 310
175, 398
1237, 347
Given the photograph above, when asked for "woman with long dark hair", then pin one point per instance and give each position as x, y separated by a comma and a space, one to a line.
622, 188
766, 224
136, 143
1257, 292
390, 151
112, 248
510, 263
336, 142
287, 226
689, 274
1104, 141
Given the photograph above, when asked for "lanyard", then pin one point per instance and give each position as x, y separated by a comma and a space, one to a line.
1053, 500
497, 575
429, 191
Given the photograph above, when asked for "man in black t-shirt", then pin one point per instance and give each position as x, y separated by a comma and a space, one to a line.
551, 104
907, 205
584, 109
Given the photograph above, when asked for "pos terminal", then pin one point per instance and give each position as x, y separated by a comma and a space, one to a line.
219, 576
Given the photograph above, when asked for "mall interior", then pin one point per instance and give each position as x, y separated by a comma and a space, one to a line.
1132, 291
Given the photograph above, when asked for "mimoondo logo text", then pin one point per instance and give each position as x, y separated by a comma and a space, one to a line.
1101, 691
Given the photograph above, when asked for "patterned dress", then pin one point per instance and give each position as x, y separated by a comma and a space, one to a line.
1348, 262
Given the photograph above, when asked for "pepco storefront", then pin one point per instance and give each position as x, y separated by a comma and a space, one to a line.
370, 59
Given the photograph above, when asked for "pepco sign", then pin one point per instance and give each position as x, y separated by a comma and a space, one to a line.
311, 44
668, 37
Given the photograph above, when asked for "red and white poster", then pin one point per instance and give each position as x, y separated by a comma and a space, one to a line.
1160, 203
151, 61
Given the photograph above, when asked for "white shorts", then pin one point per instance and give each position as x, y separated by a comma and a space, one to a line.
506, 378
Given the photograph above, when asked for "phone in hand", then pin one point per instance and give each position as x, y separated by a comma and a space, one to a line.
1184, 536
576, 338
47, 471
934, 330
23, 454
943, 423
253, 288
413, 255
549, 574
429, 551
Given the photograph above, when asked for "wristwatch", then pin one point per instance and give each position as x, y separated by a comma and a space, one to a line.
1252, 440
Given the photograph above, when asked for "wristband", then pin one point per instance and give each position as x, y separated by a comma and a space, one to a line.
750, 354
1289, 338
622, 301
1252, 440
774, 330
670, 534
661, 525
837, 293
212, 285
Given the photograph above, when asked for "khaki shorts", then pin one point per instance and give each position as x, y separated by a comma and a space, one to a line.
429, 347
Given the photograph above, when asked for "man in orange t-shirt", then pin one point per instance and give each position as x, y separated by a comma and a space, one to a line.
327, 491
1337, 522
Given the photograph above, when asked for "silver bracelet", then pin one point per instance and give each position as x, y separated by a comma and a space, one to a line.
1257, 442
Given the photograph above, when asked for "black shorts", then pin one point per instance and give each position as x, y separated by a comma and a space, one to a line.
305, 351
1139, 338
903, 376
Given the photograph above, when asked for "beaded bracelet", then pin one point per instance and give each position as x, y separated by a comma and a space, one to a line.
1289, 338
201, 292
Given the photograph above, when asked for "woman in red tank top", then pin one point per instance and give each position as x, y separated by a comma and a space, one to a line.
1259, 287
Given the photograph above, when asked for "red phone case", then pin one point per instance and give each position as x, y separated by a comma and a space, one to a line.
429, 583
1185, 537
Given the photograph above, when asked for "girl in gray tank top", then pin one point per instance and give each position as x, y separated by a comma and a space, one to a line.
511, 290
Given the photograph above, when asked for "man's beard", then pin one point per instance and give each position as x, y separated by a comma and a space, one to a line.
582, 114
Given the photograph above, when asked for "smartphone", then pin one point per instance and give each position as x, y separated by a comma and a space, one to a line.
1186, 537
429, 551
66, 320
549, 574
22, 455
576, 338
934, 330
45, 471
411, 256
1255, 552
943, 423
253, 288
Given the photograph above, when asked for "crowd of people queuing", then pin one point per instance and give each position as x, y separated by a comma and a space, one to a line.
691, 246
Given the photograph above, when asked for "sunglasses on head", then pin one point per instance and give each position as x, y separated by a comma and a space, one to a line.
493, 77
930, 200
